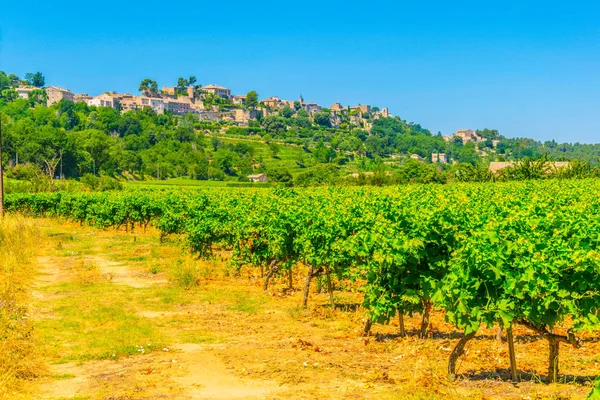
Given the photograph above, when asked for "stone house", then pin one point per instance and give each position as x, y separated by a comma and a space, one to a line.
179, 106
104, 100
23, 91
218, 91
336, 107
239, 100
258, 178
170, 91
56, 94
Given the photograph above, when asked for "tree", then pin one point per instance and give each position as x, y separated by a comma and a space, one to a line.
303, 122
10, 94
297, 105
38, 96
302, 113
14, 80
37, 79
287, 112
224, 159
323, 119
129, 126
148, 85
182, 85
274, 124
252, 99
4, 81
274, 148
280, 175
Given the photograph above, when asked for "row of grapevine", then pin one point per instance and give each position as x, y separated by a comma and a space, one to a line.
518, 253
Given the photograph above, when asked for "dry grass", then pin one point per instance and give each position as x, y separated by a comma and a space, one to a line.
88, 273
19, 361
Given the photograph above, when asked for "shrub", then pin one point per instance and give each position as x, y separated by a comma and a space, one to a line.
185, 273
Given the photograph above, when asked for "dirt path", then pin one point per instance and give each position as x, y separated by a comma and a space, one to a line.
179, 371
207, 377
121, 274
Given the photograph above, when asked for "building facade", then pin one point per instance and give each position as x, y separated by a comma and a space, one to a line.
56, 94
218, 91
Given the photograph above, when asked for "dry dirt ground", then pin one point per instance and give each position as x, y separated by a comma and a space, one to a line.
112, 324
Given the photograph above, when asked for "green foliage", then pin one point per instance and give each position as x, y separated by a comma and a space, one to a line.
101, 183
595, 393
148, 85
287, 112
322, 119
274, 124
35, 79
252, 99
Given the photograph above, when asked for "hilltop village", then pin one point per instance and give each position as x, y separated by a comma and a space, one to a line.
212, 103
204, 132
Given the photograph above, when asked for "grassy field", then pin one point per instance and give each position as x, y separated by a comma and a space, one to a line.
123, 316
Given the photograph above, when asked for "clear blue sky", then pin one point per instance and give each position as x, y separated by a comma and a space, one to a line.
527, 68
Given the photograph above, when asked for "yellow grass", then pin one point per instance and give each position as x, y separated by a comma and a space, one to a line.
19, 361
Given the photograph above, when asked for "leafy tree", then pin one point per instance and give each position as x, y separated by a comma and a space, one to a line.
128, 126
38, 96
287, 112
148, 85
323, 153
4, 82
280, 175
323, 119
252, 99
10, 94
182, 85
302, 113
14, 80
274, 124
274, 148
35, 79
303, 122
224, 159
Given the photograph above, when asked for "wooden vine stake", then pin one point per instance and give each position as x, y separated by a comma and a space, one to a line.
511, 353
401, 322
330, 289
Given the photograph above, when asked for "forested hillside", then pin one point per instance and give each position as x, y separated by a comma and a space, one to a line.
70, 140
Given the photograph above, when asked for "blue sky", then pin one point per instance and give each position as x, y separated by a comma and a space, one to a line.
527, 68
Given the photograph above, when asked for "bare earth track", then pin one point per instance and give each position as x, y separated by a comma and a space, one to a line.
112, 325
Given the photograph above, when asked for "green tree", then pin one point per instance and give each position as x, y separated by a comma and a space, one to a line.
35, 79
252, 99
224, 159
148, 85
274, 148
38, 96
274, 124
287, 112
10, 94
323, 119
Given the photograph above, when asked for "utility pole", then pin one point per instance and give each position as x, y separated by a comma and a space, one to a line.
1, 174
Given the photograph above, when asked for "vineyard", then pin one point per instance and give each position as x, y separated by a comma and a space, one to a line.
486, 254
